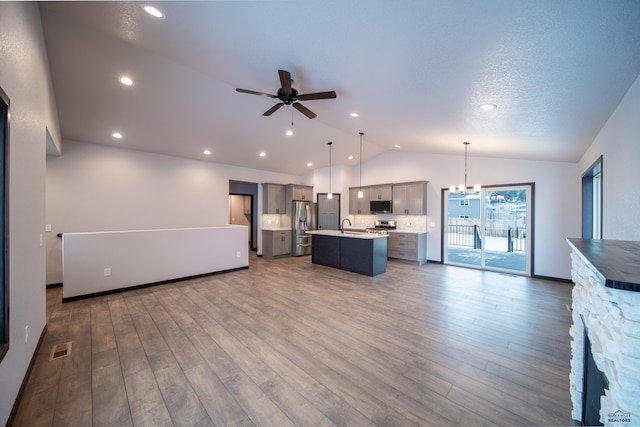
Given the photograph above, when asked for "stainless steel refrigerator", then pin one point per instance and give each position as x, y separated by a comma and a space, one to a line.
303, 219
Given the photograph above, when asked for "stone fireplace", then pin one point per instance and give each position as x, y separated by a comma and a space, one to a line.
606, 316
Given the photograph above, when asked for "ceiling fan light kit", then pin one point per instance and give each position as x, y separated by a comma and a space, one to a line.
290, 96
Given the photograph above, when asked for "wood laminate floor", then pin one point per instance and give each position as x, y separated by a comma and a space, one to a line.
287, 342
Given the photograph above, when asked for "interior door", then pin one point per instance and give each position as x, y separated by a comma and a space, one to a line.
328, 212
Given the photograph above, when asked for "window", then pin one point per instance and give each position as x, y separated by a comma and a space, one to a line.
464, 202
592, 201
4, 225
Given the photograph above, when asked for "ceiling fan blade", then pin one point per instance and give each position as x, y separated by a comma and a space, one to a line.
317, 95
304, 110
273, 109
253, 92
285, 81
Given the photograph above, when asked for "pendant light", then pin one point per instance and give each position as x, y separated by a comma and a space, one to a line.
462, 188
330, 195
360, 192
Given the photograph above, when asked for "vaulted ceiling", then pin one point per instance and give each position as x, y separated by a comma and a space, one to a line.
416, 72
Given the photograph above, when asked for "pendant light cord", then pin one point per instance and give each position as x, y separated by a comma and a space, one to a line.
329, 143
360, 161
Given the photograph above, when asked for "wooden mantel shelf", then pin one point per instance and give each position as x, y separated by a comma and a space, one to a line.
615, 262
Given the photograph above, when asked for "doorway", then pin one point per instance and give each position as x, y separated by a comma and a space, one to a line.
243, 203
490, 229
240, 212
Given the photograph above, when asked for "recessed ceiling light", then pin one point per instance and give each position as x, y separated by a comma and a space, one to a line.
354, 114
207, 152
117, 135
397, 146
289, 132
125, 80
155, 12
309, 164
487, 106
350, 157
263, 154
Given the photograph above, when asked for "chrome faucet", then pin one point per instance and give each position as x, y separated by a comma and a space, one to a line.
342, 224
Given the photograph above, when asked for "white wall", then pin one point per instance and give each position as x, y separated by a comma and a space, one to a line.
24, 76
340, 183
556, 196
141, 257
619, 145
93, 187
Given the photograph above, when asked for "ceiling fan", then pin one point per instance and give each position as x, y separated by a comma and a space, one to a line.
289, 96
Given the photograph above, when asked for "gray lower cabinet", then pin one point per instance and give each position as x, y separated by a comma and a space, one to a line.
276, 243
408, 246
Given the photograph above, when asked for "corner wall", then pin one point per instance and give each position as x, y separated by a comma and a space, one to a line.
24, 76
94, 187
619, 144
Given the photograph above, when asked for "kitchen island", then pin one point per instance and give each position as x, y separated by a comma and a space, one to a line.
359, 252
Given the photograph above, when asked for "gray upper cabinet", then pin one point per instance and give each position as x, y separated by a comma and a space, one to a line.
273, 196
410, 198
380, 192
359, 206
301, 192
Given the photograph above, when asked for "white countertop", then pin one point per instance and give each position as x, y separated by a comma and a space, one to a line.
349, 234
408, 231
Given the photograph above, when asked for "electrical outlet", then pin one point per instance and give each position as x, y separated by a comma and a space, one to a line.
26, 333
238, 254
47, 228
107, 272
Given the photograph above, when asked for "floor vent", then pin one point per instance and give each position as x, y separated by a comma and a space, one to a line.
60, 351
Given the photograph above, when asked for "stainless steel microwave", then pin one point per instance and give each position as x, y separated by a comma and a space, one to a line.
380, 206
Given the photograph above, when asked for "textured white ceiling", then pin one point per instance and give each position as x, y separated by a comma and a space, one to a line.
415, 71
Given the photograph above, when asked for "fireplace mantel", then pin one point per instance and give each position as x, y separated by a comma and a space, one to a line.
606, 309
615, 262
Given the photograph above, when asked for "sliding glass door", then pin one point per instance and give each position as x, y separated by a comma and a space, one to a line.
489, 229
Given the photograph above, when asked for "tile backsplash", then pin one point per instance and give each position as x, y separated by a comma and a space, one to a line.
272, 221
404, 222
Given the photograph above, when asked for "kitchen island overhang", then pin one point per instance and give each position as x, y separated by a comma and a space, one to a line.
358, 252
